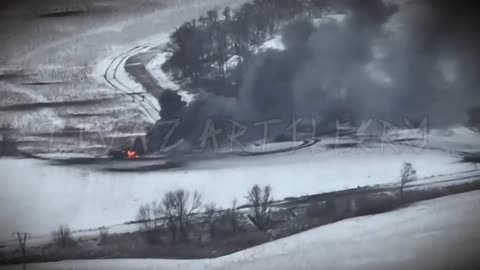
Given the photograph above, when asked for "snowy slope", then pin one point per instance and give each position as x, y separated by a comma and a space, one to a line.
436, 234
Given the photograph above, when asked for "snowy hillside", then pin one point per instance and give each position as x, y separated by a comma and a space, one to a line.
436, 234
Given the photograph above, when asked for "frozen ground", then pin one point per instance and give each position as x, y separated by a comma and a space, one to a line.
436, 234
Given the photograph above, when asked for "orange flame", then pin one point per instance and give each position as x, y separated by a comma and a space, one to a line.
132, 154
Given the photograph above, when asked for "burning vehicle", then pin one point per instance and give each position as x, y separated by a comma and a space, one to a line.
133, 151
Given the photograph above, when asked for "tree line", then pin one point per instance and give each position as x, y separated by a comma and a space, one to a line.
182, 214
212, 52
179, 213
182, 219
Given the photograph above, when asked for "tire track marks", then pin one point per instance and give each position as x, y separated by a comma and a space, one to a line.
111, 76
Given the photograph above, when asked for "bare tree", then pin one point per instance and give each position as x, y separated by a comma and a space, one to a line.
22, 241
168, 203
63, 237
179, 207
260, 201
149, 215
233, 216
407, 174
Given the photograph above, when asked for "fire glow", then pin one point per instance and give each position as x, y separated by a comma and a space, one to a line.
132, 154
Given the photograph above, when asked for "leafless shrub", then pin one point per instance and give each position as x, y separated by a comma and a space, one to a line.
226, 221
260, 201
233, 216
210, 211
62, 237
407, 174
103, 235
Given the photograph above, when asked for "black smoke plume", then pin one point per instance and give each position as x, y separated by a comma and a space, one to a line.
415, 60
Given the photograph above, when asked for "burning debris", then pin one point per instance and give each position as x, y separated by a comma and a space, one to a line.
132, 151
132, 154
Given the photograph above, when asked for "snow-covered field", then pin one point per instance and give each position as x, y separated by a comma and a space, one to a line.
74, 55
436, 234
71, 55
39, 199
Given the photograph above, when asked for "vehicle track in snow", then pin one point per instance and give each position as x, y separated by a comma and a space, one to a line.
111, 76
